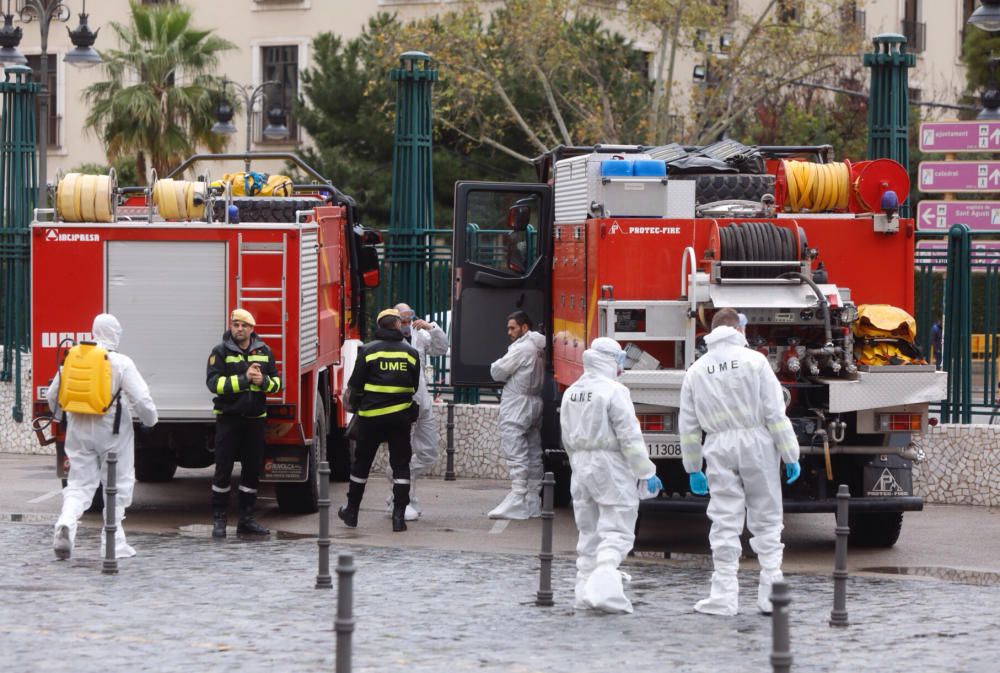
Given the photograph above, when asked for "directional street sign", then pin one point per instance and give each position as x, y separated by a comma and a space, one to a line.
970, 136
959, 176
940, 215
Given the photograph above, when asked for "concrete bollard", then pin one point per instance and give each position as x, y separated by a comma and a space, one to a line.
449, 471
781, 645
344, 624
323, 579
838, 616
544, 596
110, 565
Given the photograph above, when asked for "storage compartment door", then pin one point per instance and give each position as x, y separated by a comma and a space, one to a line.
170, 298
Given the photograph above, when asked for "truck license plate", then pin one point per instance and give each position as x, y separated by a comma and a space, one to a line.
663, 446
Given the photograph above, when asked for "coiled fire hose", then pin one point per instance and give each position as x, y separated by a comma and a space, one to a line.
179, 199
85, 198
817, 187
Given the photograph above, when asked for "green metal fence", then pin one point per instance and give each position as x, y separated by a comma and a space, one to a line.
19, 184
961, 284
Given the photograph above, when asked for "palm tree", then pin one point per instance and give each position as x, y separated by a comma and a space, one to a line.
157, 102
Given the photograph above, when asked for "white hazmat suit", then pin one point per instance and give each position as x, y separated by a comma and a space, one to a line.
522, 371
602, 437
424, 433
90, 437
732, 395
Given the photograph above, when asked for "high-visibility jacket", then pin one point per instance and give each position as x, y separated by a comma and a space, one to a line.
385, 378
227, 377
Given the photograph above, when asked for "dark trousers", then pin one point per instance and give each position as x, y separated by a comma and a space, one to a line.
240, 439
371, 433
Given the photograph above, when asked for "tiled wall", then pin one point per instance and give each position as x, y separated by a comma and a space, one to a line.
18, 437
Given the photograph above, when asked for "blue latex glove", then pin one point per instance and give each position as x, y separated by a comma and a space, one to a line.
654, 484
699, 483
792, 471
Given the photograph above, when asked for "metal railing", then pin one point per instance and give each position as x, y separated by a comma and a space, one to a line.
961, 283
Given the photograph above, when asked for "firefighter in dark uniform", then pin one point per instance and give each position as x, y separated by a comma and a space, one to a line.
241, 373
380, 393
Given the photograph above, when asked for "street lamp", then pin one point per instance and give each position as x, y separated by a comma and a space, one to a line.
275, 128
45, 12
987, 17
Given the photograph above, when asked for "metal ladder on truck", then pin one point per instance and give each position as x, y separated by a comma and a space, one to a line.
269, 296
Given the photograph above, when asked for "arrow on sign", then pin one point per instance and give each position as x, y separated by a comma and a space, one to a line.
928, 217
995, 136
995, 176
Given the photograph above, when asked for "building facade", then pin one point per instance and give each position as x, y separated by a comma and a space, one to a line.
273, 39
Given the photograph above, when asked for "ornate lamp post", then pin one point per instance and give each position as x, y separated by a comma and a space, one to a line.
45, 12
275, 128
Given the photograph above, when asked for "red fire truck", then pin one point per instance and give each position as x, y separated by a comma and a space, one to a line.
609, 244
299, 262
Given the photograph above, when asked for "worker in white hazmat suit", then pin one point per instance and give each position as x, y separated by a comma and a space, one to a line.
610, 464
90, 437
429, 340
522, 371
732, 395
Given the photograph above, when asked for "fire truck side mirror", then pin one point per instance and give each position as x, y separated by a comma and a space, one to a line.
368, 265
519, 217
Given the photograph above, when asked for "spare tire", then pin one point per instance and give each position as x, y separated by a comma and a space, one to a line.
711, 187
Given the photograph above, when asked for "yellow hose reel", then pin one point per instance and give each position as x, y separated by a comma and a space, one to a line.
179, 199
86, 198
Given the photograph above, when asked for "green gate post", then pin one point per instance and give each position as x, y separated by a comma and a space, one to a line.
888, 103
18, 180
957, 327
412, 215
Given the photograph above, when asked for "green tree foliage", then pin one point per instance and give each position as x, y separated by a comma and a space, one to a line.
156, 102
977, 49
348, 108
124, 166
801, 115
531, 75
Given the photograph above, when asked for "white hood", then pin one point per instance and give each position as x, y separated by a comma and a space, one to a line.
600, 363
107, 331
725, 336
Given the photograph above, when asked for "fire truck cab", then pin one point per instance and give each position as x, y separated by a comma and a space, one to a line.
171, 261
608, 243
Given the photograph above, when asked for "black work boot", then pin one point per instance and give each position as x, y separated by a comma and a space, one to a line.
398, 518
219, 523
349, 512
349, 515
248, 525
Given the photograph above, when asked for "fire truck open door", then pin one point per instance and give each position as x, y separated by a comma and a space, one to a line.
501, 253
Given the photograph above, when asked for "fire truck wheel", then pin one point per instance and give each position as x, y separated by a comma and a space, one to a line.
303, 498
874, 529
710, 187
97, 504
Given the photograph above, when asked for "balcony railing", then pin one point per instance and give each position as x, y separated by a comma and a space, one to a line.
916, 35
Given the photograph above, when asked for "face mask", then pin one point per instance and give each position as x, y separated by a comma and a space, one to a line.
406, 330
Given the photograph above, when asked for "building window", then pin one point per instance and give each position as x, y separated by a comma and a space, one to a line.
915, 31
35, 63
281, 64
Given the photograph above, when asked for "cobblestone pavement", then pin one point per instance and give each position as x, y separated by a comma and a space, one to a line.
189, 604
